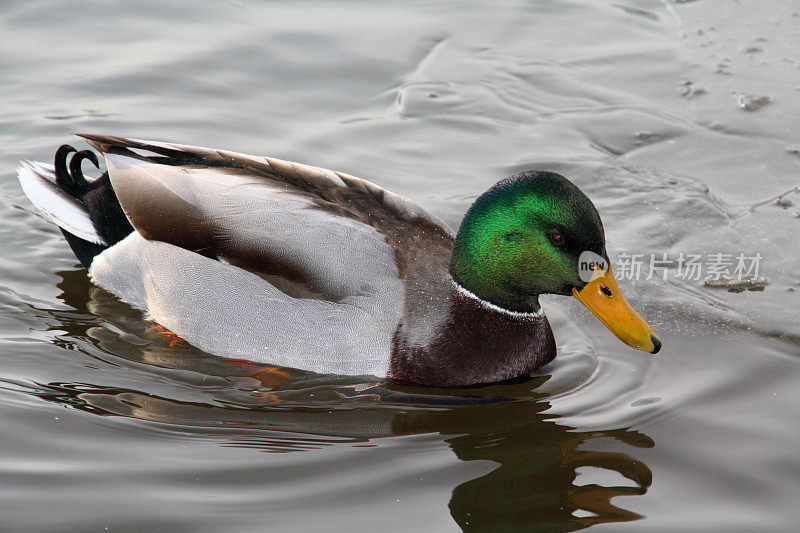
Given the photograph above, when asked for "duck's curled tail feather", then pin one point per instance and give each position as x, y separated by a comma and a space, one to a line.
87, 211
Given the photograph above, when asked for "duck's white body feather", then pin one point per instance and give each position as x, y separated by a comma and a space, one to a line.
230, 312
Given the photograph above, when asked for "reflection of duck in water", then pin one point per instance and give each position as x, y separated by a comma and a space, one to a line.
283, 263
534, 460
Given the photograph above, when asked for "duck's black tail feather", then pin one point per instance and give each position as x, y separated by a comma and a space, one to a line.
87, 211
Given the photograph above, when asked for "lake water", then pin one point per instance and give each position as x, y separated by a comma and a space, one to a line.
678, 118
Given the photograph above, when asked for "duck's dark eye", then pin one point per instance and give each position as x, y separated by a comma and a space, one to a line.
512, 235
557, 239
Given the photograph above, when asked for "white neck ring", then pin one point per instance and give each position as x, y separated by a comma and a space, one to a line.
493, 307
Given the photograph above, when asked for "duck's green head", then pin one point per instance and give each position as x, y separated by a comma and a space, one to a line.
531, 234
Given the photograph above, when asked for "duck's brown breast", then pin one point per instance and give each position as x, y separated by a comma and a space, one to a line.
472, 343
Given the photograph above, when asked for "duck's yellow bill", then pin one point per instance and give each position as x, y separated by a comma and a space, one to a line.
603, 298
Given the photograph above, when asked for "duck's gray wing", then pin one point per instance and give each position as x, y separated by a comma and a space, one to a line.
312, 231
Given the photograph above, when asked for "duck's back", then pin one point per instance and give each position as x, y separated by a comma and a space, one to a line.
325, 231
268, 260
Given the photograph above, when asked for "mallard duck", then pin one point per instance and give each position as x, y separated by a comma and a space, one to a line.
303, 267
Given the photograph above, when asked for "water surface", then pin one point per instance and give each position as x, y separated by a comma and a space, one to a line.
677, 118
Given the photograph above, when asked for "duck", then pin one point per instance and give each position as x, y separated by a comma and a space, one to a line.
277, 262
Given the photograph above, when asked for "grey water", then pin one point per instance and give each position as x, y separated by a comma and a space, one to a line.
678, 118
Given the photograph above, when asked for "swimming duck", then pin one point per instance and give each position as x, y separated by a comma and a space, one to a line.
298, 266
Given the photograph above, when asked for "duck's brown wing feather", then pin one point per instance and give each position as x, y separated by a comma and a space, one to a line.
336, 191
267, 215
